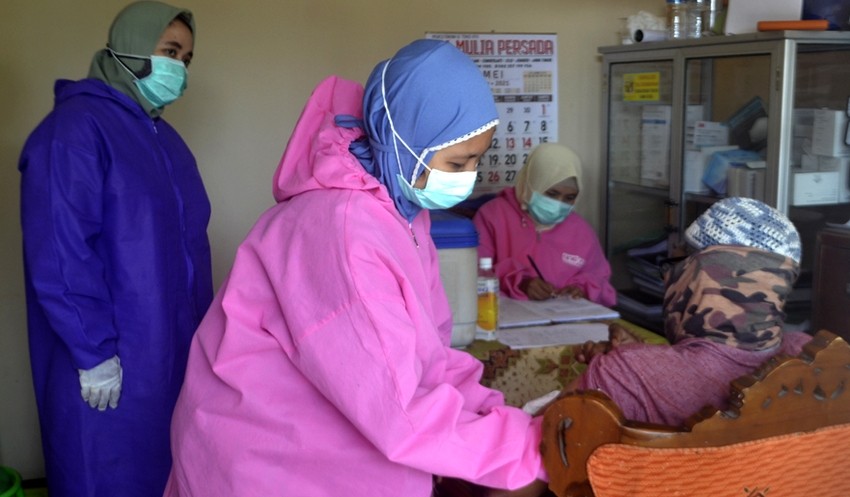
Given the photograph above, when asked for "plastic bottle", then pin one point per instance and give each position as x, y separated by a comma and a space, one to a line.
698, 12
677, 19
714, 18
488, 300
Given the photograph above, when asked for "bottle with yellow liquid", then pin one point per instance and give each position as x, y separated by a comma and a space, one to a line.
488, 300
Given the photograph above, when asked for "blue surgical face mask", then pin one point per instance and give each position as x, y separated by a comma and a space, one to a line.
164, 84
548, 211
443, 189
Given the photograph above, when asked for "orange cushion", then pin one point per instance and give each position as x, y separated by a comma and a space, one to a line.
789, 465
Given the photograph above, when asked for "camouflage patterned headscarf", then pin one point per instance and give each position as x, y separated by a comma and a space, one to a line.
729, 294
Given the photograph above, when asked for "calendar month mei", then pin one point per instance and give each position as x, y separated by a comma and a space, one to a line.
522, 72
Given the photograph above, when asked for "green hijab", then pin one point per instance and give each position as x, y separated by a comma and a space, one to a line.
135, 30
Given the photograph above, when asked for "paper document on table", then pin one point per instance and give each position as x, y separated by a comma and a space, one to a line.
551, 335
514, 313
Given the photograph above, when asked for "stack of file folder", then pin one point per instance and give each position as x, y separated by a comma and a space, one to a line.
644, 264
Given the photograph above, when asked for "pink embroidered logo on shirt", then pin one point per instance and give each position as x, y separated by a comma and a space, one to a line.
572, 260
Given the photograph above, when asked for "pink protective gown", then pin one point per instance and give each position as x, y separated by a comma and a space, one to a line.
567, 254
323, 366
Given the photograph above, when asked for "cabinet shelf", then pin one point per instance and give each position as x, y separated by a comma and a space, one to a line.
648, 189
701, 198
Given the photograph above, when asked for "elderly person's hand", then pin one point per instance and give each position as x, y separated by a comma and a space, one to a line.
585, 352
617, 336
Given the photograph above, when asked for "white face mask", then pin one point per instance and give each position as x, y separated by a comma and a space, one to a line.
548, 211
443, 189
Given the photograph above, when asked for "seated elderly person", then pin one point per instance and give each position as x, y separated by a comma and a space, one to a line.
723, 316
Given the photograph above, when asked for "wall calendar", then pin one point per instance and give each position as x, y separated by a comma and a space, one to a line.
522, 70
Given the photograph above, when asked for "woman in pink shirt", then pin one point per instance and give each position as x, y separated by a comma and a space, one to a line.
323, 367
533, 224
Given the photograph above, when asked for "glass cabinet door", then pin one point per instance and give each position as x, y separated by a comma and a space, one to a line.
640, 106
801, 167
725, 131
818, 184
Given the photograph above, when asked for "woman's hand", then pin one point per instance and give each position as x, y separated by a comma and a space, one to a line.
537, 289
572, 291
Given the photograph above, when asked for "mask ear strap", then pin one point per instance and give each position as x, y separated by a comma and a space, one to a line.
396, 137
117, 56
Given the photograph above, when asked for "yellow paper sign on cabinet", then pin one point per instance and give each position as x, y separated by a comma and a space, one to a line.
642, 87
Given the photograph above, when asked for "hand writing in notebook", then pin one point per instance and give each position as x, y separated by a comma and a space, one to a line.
537, 288
540, 289
572, 291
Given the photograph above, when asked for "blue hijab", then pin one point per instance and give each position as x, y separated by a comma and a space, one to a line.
436, 97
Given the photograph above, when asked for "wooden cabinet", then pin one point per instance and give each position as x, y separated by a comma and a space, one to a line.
831, 288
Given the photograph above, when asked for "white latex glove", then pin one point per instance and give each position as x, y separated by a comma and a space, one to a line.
101, 385
533, 406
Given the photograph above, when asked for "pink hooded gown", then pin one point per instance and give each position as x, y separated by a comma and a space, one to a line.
323, 366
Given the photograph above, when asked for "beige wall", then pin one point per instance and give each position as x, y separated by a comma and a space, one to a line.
255, 64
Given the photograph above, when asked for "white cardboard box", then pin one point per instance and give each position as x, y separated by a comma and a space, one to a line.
625, 142
694, 113
655, 144
743, 15
694, 169
746, 180
710, 134
815, 188
842, 165
828, 133
810, 162
695, 164
804, 116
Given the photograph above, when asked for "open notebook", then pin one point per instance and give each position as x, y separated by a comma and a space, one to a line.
552, 335
517, 313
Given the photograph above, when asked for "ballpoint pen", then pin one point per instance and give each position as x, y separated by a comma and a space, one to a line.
536, 269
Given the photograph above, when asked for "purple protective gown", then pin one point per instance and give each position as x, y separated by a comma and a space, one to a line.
117, 261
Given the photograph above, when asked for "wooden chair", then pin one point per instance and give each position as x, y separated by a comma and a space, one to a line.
786, 433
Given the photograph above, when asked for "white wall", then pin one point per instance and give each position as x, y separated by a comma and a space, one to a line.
255, 64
